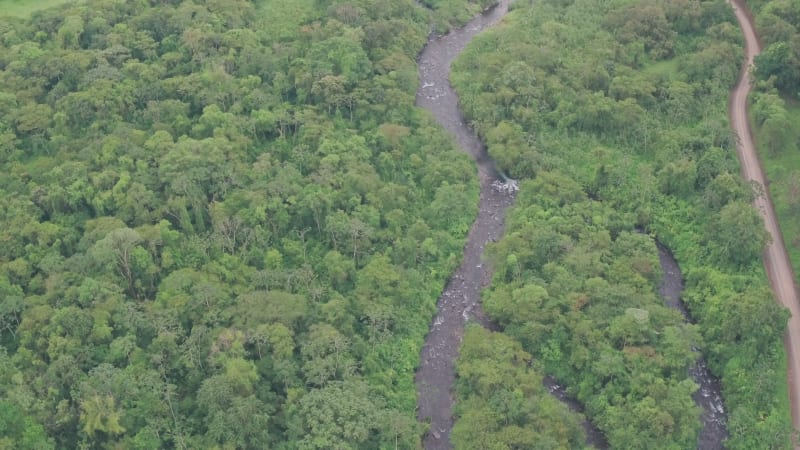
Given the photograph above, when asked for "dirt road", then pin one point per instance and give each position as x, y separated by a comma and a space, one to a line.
776, 260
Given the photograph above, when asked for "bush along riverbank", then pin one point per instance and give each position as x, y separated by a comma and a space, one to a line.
616, 125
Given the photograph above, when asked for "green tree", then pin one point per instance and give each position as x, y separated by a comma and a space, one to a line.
738, 234
341, 415
502, 402
21, 431
779, 60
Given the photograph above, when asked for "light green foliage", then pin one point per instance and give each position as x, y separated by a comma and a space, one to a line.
453, 13
222, 220
777, 133
24, 8
737, 234
620, 125
341, 415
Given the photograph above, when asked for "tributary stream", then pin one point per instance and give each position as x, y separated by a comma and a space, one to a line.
709, 395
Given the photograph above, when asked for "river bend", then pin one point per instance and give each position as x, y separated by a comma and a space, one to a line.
460, 300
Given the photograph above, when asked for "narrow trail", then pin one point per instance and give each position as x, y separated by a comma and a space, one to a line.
460, 300
776, 259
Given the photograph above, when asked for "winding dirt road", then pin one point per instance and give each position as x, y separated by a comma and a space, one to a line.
776, 260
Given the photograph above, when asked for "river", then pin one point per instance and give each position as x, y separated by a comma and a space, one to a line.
460, 300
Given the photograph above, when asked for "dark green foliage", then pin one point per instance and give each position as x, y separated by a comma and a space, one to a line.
582, 302
224, 223
778, 24
502, 402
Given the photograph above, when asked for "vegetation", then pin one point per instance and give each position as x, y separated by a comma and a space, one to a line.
454, 12
225, 225
617, 126
778, 25
782, 168
24, 8
504, 401
775, 113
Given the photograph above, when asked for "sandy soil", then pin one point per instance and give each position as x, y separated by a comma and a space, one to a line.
776, 259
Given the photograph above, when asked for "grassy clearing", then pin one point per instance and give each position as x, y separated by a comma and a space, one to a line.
782, 383
783, 172
24, 8
667, 68
283, 18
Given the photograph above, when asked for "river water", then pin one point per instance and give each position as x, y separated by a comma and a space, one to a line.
709, 395
460, 300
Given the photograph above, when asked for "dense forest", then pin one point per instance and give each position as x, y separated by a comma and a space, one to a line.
503, 402
778, 24
614, 116
225, 225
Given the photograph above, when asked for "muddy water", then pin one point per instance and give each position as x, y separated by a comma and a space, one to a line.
437, 96
460, 300
709, 396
